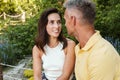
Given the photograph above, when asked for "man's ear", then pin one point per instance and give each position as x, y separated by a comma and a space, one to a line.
73, 18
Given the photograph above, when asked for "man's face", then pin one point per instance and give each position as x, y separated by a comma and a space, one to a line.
68, 22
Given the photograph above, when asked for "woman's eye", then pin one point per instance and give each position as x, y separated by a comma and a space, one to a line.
59, 22
51, 22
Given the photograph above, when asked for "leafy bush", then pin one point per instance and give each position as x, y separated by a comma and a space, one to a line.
31, 78
8, 7
28, 73
8, 53
23, 36
108, 17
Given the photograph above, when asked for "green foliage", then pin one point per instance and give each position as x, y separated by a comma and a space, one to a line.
8, 53
51, 3
114, 21
108, 17
23, 36
8, 7
28, 73
18, 6
3, 23
108, 20
30, 9
31, 78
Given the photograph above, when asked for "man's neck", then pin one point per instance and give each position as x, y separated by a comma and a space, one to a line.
84, 35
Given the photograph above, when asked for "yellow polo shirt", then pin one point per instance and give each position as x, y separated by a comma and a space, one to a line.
97, 60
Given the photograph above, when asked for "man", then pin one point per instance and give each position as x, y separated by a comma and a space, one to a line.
96, 58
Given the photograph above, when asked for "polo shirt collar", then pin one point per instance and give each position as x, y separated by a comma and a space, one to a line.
94, 38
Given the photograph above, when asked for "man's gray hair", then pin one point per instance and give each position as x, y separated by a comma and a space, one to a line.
76, 3
87, 7
71, 3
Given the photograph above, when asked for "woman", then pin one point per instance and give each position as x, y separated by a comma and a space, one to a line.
52, 52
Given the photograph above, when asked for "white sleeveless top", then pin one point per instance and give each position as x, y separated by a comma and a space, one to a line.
53, 61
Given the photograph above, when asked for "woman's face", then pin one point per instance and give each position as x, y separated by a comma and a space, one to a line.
54, 25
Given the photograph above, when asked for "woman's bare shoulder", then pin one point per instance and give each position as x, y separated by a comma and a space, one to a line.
71, 42
37, 51
35, 48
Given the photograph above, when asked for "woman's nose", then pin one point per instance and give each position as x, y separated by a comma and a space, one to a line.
56, 25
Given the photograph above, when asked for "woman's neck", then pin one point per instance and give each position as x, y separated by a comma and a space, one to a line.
53, 43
